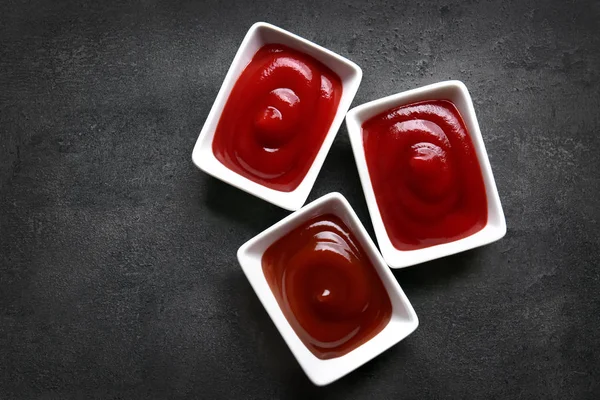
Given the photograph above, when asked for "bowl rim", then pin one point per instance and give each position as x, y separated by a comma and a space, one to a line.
495, 227
403, 322
202, 155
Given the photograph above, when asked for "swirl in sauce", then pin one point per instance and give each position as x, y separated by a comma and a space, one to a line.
277, 116
425, 174
327, 287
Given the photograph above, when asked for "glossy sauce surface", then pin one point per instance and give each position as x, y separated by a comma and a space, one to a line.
327, 287
277, 116
425, 174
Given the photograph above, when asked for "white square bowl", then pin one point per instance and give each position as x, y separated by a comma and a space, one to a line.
322, 372
457, 93
259, 35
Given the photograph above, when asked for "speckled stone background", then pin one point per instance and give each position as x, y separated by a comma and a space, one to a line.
118, 274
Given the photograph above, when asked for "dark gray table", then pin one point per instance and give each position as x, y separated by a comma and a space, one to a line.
118, 274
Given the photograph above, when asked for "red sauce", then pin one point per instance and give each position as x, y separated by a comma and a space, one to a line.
277, 116
327, 287
425, 174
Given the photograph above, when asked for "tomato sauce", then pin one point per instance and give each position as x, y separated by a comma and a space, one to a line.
327, 287
425, 174
277, 116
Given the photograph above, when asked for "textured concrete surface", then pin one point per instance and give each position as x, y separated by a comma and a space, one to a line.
118, 275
